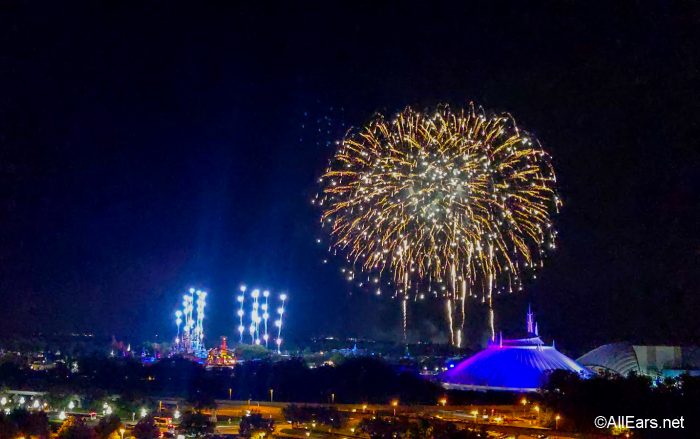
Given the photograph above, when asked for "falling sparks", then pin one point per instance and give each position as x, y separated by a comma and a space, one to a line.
460, 199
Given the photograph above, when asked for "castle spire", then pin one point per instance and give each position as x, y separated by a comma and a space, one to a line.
530, 320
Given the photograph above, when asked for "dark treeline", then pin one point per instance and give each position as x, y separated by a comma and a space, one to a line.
580, 401
70, 345
403, 428
326, 415
22, 423
355, 380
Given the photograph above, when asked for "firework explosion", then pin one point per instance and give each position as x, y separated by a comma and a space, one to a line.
463, 200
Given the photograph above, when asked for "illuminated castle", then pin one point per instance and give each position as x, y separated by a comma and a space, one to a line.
517, 365
221, 356
191, 341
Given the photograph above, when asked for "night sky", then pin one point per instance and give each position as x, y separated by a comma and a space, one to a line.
144, 149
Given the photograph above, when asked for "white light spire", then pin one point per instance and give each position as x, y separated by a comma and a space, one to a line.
265, 315
278, 323
198, 342
178, 322
241, 299
255, 318
187, 305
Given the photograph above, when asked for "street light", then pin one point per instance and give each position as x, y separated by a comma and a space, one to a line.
272, 392
556, 422
394, 403
443, 401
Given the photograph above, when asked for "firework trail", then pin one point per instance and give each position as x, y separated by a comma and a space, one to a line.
461, 199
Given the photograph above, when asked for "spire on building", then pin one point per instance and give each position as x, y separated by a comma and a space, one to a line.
530, 321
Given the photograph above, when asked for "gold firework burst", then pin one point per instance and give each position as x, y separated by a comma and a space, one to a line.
463, 198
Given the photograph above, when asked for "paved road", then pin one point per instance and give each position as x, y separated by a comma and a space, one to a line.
521, 428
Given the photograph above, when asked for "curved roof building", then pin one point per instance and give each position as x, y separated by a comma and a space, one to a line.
619, 358
652, 360
518, 365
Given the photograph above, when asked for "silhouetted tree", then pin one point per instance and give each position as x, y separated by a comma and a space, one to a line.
75, 428
8, 429
255, 423
436, 429
107, 425
580, 400
34, 424
201, 399
146, 428
329, 416
296, 414
383, 428
392, 428
196, 424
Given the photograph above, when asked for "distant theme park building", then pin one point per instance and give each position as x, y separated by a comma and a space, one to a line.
655, 361
518, 365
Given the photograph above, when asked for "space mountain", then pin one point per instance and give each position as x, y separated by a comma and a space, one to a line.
515, 365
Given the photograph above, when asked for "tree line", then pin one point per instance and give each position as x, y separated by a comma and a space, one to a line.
356, 380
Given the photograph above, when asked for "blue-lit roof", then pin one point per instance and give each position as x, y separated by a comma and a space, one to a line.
513, 365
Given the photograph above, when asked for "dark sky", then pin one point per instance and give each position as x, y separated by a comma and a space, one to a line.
144, 149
